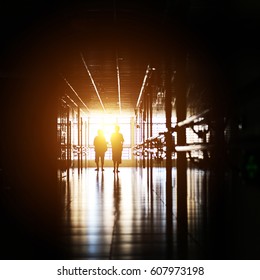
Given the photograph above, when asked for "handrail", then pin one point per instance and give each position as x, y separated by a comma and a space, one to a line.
191, 120
197, 147
155, 143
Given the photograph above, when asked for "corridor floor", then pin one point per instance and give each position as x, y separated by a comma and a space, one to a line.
123, 216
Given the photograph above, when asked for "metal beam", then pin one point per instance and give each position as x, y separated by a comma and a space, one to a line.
75, 93
143, 86
190, 121
93, 82
74, 103
197, 147
118, 84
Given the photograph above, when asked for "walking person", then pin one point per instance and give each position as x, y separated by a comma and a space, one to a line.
117, 141
100, 145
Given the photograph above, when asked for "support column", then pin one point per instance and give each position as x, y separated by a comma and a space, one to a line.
78, 139
143, 135
182, 225
81, 143
218, 203
68, 142
147, 101
168, 115
86, 144
151, 134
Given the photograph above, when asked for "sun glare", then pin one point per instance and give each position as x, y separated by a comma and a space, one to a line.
105, 123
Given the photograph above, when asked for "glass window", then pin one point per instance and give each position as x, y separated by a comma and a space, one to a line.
107, 124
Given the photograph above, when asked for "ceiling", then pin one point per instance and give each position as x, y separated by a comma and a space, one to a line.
101, 50
110, 47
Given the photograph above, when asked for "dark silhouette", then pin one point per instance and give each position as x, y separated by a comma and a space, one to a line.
117, 141
100, 149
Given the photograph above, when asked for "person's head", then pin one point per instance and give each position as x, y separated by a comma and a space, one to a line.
100, 132
117, 128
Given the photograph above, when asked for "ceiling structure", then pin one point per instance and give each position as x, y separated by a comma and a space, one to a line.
110, 52
105, 51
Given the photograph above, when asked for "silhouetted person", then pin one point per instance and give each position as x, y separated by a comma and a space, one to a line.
117, 141
100, 149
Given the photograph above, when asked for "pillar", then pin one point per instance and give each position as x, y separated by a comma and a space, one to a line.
181, 163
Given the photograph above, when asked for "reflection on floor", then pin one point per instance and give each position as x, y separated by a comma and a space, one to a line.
123, 216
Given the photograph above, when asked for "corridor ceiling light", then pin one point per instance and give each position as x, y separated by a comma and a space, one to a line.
118, 83
143, 86
93, 82
75, 92
104, 122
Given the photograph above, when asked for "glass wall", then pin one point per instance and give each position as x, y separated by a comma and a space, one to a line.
107, 124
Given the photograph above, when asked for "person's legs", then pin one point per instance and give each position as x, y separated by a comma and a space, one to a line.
119, 160
114, 159
114, 170
102, 162
97, 162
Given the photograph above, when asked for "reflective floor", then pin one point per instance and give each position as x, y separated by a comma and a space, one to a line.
124, 215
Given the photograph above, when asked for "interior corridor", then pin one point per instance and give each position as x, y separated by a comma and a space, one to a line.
181, 79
